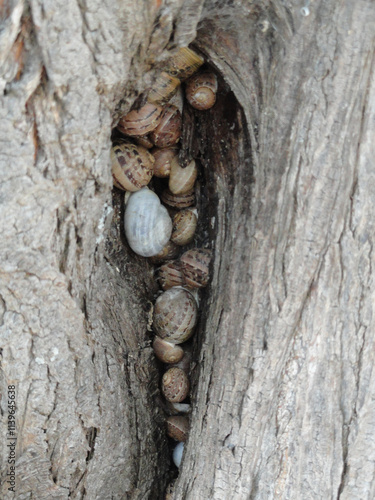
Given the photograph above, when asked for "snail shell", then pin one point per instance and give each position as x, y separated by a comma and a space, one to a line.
178, 200
201, 90
184, 226
143, 140
169, 491
169, 251
175, 385
181, 180
170, 274
132, 166
164, 88
178, 427
195, 266
148, 226
168, 130
167, 352
184, 63
177, 454
141, 121
175, 315
163, 160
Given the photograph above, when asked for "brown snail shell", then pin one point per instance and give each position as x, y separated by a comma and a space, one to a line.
201, 90
170, 274
175, 385
184, 226
195, 266
143, 140
168, 130
170, 251
184, 63
167, 352
163, 160
132, 166
175, 315
178, 427
178, 200
181, 180
163, 89
141, 121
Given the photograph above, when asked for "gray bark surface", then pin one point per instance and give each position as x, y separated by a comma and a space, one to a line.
283, 388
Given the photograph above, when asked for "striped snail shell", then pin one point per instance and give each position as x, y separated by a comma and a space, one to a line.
178, 200
132, 166
169, 251
163, 159
178, 427
163, 89
184, 226
175, 385
148, 226
175, 315
170, 274
195, 265
184, 63
168, 130
181, 180
141, 121
167, 352
201, 90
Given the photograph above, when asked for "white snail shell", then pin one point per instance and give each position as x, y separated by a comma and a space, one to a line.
177, 454
148, 226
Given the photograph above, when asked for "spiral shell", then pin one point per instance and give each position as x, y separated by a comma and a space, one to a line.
132, 166
195, 265
169, 251
163, 160
141, 121
170, 274
148, 226
175, 315
168, 130
181, 180
177, 427
201, 90
167, 352
163, 89
175, 385
184, 63
184, 226
178, 200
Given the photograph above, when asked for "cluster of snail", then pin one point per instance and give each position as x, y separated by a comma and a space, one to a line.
158, 227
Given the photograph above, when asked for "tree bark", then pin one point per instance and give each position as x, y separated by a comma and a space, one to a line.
283, 388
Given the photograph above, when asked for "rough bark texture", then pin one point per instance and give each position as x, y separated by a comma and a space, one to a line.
284, 386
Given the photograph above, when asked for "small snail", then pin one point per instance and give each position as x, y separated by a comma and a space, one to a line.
178, 200
178, 427
177, 454
184, 63
175, 315
201, 90
184, 226
181, 180
169, 251
163, 160
170, 274
141, 121
175, 385
163, 89
148, 226
168, 130
132, 166
167, 352
195, 264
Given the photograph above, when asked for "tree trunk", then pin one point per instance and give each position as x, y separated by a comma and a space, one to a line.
283, 387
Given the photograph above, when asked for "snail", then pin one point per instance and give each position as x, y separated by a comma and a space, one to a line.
181, 180
184, 63
201, 90
141, 121
170, 274
168, 130
132, 166
178, 200
184, 226
177, 454
175, 385
195, 264
167, 352
175, 315
163, 89
169, 251
163, 160
178, 427
148, 226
